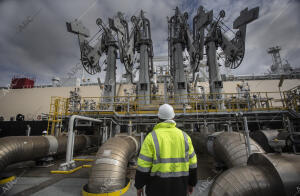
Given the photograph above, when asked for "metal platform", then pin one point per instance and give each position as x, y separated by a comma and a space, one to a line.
259, 107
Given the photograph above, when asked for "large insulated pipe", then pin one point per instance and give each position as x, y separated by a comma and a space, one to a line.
23, 148
263, 138
230, 148
108, 173
266, 174
269, 140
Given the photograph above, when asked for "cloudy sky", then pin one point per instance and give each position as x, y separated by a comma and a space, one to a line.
42, 48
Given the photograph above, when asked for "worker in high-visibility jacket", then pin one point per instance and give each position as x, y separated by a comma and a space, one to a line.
167, 163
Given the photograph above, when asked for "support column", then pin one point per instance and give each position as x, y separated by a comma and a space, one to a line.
144, 80
215, 82
180, 86
110, 78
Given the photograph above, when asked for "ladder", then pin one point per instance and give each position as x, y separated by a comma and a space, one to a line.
58, 109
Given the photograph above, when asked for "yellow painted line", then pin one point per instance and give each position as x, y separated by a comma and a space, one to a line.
6, 180
115, 193
70, 171
83, 160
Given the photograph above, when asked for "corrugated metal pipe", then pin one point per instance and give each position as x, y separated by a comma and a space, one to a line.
108, 172
24, 148
230, 148
265, 174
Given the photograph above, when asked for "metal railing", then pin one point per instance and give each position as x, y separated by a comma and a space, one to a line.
292, 98
191, 103
58, 109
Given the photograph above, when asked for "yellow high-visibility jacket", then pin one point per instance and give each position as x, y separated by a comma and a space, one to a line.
167, 152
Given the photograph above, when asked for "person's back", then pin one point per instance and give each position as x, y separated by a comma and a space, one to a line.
167, 164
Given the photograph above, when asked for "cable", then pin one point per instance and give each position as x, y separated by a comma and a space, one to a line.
94, 35
221, 22
87, 10
280, 13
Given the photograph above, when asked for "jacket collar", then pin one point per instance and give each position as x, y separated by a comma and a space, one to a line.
169, 121
165, 124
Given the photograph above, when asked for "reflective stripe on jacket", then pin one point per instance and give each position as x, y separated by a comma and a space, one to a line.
167, 152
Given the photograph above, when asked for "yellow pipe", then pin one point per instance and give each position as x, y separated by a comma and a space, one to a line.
115, 193
7, 180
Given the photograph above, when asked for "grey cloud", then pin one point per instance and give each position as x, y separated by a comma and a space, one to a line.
46, 49
277, 26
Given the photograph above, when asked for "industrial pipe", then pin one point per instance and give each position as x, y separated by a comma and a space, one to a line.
230, 148
24, 148
270, 140
108, 172
266, 174
71, 136
200, 142
263, 138
226, 147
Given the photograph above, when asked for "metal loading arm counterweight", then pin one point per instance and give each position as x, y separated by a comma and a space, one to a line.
90, 55
235, 49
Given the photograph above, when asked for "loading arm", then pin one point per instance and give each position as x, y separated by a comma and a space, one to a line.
129, 43
235, 49
90, 55
125, 42
195, 41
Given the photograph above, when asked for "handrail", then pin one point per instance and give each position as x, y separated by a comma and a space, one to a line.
196, 103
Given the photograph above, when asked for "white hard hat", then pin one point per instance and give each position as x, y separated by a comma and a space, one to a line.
166, 112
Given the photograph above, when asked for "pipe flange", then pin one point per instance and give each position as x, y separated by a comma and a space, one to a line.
53, 144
